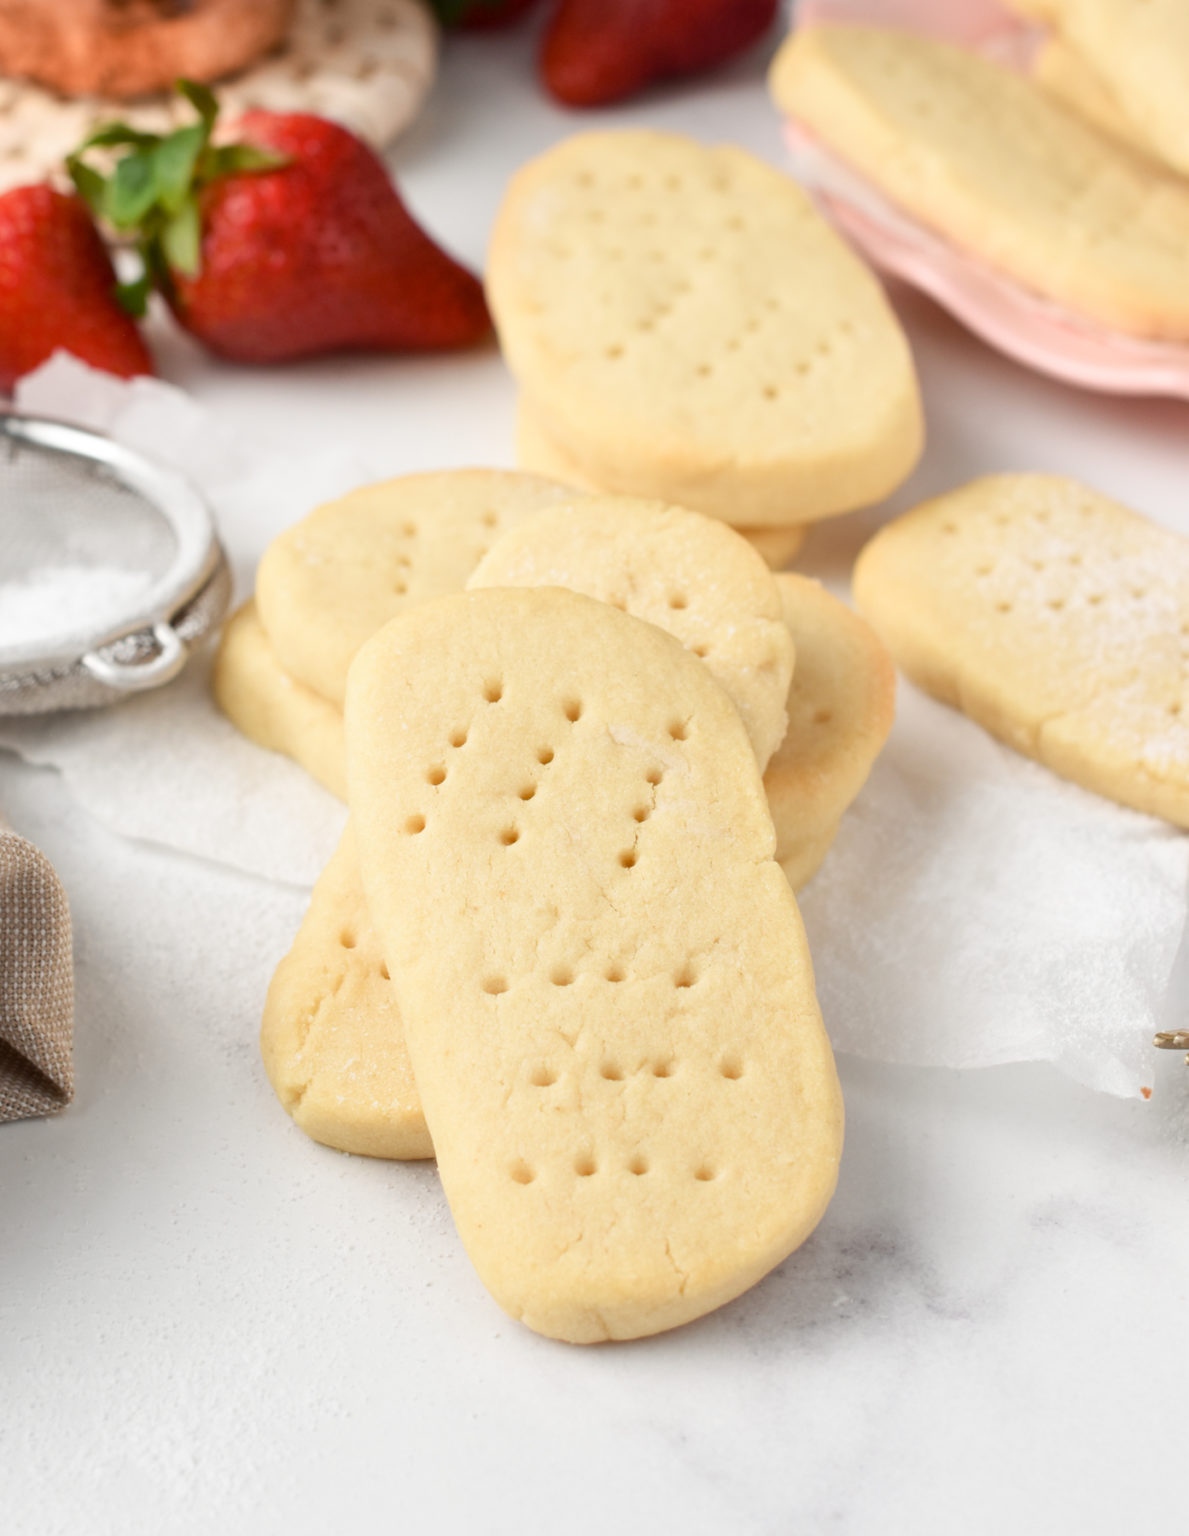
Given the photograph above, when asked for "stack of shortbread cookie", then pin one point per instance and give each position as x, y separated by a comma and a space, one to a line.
683, 325
555, 948
327, 584
996, 164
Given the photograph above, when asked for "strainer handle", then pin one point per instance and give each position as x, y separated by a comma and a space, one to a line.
130, 676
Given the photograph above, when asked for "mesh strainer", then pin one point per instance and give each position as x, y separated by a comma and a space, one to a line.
109, 569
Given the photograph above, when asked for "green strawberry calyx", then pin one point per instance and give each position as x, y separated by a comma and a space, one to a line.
451, 13
150, 196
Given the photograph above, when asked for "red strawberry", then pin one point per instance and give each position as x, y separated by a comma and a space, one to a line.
58, 289
290, 244
318, 254
599, 51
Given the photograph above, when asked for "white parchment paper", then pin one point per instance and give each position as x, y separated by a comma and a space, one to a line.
974, 910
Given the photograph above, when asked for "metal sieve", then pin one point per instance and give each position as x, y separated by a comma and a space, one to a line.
110, 569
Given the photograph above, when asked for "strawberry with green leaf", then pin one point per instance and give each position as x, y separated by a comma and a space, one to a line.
290, 242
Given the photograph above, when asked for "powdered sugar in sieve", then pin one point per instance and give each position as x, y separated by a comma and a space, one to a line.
109, 569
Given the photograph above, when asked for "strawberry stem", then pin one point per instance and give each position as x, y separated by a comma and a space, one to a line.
152, 192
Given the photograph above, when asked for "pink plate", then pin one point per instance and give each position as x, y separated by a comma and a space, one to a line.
1022, 324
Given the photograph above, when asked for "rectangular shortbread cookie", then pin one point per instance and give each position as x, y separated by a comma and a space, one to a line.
326, 584
601, 969
688, 328
332, 1039
1057, 619
1139, 50
840, 708
272, 708
987, 157
1063, 71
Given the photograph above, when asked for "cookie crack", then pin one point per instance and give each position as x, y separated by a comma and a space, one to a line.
682, 1276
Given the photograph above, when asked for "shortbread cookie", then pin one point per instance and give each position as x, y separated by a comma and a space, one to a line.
1067, 75
329, 582
689, 329
840, 708
1057, 619
688, 574
601, 969
1139, 50
538, 455
273, 709
992, 161
332, 1040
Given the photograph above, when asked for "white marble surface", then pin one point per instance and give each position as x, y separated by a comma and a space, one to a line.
208, 1324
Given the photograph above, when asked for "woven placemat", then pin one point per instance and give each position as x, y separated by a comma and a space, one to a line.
368, 64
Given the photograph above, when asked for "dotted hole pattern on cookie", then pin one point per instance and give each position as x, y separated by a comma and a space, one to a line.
1057, 563
1097, 582
586, 1166
543, 1076
643, 201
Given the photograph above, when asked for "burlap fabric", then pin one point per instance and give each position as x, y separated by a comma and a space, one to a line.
36, 984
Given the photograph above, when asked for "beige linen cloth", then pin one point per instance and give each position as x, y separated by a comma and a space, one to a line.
36, 984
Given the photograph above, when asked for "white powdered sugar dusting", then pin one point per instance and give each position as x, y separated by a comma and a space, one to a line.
55, 600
